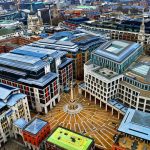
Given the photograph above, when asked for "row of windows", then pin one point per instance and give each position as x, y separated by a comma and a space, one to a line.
128, 90
137, 83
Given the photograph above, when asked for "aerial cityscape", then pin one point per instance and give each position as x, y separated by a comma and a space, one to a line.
74, 74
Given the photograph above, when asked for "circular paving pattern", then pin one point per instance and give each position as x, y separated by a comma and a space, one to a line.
72, 112
91, 121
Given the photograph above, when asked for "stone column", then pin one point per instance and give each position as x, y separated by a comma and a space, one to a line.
85, 94
45, 109
59, 98
54, 102
112, 111
100, 104
90, 97
118, 115
80, 91
106, 107
51, 106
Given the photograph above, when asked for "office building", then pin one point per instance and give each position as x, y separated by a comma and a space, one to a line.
133, 129
136, 30
35, 132
77, 44
35, 72
111, 81
13, 106
134, 89
116, 55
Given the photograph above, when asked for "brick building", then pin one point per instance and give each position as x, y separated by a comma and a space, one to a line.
13, 106
35, 132
77, 44
13, 42
35, 72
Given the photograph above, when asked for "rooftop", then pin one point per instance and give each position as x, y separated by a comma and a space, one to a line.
5, 31
14, 98
69, 140
68, 41
6, 90
140, 70
130, 25
106, 72
37, 52
117, 50
35, 126
118, 105
136, 123
21, 123
86, 7
41, 81
21, 61
7, 97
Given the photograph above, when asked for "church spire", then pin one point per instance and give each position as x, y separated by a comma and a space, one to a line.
141, 35
31, 7
142, 27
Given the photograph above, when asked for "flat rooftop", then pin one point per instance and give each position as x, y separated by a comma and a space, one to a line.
107, 73
7, 21
117, 50
21, 61
21, 123
35, 126
118, 105
37, 52
70, 140
136, 123
140, 70
86, 7
44, 80
68, 41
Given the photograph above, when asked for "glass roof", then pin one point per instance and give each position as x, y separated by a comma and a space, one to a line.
36, 126
117, 46
142, 69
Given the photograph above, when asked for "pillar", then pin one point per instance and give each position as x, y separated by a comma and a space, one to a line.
58, 98
51, 106
15, 136
85, 94
80, 91
90, 96
118, 115
112, 111
45, 109
54, 102
100, 104
106, 107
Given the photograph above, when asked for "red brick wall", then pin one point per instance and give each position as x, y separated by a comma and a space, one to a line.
38, 138
15, 40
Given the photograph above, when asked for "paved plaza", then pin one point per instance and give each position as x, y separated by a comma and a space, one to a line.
91, 121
